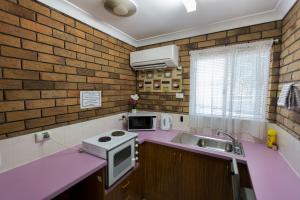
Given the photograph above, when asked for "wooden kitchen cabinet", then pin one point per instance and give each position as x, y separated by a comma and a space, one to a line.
203, 177
175, 174
91, 188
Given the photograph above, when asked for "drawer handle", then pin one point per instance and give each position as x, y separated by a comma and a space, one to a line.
126, 185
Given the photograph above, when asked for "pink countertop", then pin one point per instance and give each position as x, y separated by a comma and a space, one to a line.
49, 176
271, 176
45, 178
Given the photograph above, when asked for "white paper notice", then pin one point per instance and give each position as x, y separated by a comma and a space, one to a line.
90, 99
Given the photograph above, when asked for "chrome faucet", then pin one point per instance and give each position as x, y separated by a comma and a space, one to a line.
234, 141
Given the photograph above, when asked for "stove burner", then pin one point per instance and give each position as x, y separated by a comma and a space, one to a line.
118, 133
104, 139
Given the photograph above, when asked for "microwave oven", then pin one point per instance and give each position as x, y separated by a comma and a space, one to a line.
141, 122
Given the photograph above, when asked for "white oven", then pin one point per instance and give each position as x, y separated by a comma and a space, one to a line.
118, 147
120, 160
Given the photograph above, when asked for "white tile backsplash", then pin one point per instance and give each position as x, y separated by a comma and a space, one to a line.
20, 150
17, 151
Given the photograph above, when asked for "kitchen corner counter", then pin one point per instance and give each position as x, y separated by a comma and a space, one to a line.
47, 177
271, 176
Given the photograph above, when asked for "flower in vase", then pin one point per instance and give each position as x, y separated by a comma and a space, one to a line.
134, 100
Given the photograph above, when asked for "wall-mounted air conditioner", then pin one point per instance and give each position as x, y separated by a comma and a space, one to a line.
156, 58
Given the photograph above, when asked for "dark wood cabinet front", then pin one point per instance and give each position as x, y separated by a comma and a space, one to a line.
165, 173
175, 174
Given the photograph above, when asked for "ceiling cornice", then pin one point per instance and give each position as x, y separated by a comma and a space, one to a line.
277, 13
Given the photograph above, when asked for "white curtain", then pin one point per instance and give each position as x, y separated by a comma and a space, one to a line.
228, 89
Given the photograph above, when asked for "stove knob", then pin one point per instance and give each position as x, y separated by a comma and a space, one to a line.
136, 145
136, 140
136, 158
136, 153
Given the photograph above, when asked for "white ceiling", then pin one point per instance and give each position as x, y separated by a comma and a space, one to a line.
164, 20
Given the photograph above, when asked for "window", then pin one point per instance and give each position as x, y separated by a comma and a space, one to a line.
230, 82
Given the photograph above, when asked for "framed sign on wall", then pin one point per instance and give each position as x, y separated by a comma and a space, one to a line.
90, 99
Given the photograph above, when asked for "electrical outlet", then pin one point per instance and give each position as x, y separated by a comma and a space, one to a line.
42, 136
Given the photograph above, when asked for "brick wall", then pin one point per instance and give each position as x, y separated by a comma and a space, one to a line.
290, 66
167, 101
46, 58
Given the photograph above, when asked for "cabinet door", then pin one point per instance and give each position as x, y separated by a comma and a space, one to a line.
90, 188
160, 179
204, 177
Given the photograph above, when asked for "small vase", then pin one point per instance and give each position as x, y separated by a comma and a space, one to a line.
133, 110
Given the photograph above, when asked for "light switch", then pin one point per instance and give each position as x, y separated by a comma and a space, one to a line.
179, 95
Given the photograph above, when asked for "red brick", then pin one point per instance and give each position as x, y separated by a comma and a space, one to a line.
75, 47
37, 66
64, 36
76, 78
36, 27
21, 94
35, 46
75, 32
75, 63
21, 115
85, 57
66, 117
35, 7
9, 18
38, 85
40, 103
65, 86
54, 94
62, 18
10, 40
64, 53
18, 53
10, 62
33, 123
17, 10
51, 59
93, 66
11, 106
52, 76
65, 69
50, 22
100, 34
54, 111
72, 109
93, 52
85, 43
73, 93
84, 27
16, 31
94, 39
94, 80
10, 84
66, 102
87, 114
20, 74
50, 40
86, 86
12, 127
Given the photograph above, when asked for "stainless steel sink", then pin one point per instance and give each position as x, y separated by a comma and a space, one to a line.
209, 143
